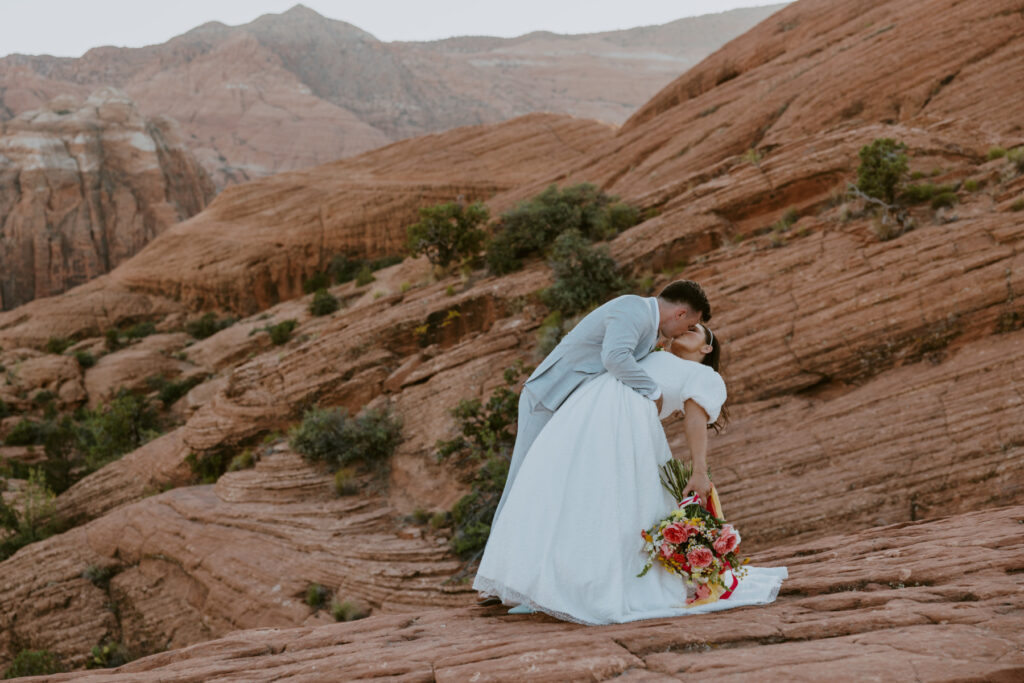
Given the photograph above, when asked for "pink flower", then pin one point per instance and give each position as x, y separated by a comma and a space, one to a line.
674, 533
699, 557
703, 591
666, 550
727, 540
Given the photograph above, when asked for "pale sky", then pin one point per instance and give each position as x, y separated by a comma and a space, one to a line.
67, 28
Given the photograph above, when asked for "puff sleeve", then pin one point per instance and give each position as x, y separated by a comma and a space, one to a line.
707, 388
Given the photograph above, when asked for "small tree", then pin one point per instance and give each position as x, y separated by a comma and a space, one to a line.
882, 164
323, 303
584, 275
448, 233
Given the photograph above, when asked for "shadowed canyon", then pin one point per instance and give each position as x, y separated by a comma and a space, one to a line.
874, 359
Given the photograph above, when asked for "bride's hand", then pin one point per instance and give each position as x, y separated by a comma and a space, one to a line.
700, 484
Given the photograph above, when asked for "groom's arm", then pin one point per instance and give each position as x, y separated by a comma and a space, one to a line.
624, 329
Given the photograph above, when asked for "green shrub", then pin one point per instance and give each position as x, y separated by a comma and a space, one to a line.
316, 282
448, 233
549, 333
364, 276
317, 595
57, 344
34, 663
420, 516
207, 325
43, 397
996, 153
439, 520
109, 655
140, 330
25, 433
331, 436
33, 519
345, 268
883, 164
1017, 205
347, 610
169, 392
113, 339
242, 461
532, 226
282, 331
971, 185
486, 437
99, 576
345, 483
85, 359
944, 200
923, 192
1016, 157
584, 275
323, 303
113, 429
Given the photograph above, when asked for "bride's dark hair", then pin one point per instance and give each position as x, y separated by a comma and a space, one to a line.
713, 360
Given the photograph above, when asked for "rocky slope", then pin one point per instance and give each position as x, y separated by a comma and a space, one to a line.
294, 90
84, 186
935, 601
874, 380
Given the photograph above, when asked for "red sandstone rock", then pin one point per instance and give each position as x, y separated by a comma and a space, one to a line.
83, 187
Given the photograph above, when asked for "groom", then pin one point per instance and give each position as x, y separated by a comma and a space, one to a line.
612, 338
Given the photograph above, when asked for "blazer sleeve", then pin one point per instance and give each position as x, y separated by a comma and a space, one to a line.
625, 326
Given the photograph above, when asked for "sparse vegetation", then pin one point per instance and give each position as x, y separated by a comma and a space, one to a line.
57, 345
996, 153
883, 164
347, 610
99, 576
85, 359
242, 461
111, 654
34, 663
944, 200
140, 330
112, 339
971, 185
531, 227
316, 282
209, 465
281, 332
169, 391
317, 596
1017, 205
207, 325
323, 303
333, 437
584, 275
448, 233
923, 192
345, 483
32, 519
486, 437
345, 268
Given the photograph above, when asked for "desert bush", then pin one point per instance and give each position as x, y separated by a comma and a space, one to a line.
34, 663
923, 192
43, 397
33, 519
486, 437
57, 344
448, 233
109, 655
170, 391
111, 430
282, 331
439, 520
1017, 205
332, 436
316, 282
971, 185
345, 483
99, 575
364, 276
140, 330
323, 303
242, 461
883, 164
584, 275
420, 516
85, 359
207, 325
25, 432
345, 268
532, 226
347, 610
317, 595
944, 200
996, 153
1016, 157
112, 339
207, 466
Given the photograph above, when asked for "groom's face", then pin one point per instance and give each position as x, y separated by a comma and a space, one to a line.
682, 318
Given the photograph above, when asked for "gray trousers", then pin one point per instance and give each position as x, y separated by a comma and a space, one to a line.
532, 417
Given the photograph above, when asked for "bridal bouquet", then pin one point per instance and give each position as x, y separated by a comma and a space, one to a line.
694, 541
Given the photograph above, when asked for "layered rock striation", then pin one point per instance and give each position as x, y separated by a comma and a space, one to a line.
83, 187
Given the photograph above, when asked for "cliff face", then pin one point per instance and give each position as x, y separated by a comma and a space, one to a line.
83, 187
876, 444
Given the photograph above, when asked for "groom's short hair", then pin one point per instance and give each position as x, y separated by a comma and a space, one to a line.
688, 292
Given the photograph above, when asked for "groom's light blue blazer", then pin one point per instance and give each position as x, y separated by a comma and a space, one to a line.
612, 338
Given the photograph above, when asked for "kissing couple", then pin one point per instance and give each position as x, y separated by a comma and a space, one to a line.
584, 477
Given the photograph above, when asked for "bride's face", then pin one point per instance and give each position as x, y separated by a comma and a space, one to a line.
691, 344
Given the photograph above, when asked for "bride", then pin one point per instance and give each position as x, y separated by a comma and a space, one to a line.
567, 539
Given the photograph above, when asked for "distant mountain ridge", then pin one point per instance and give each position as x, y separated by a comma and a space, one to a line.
296, 89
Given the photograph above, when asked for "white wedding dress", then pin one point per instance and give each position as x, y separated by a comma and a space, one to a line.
568, 541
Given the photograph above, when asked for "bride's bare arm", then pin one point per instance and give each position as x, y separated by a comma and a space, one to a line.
695, 420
